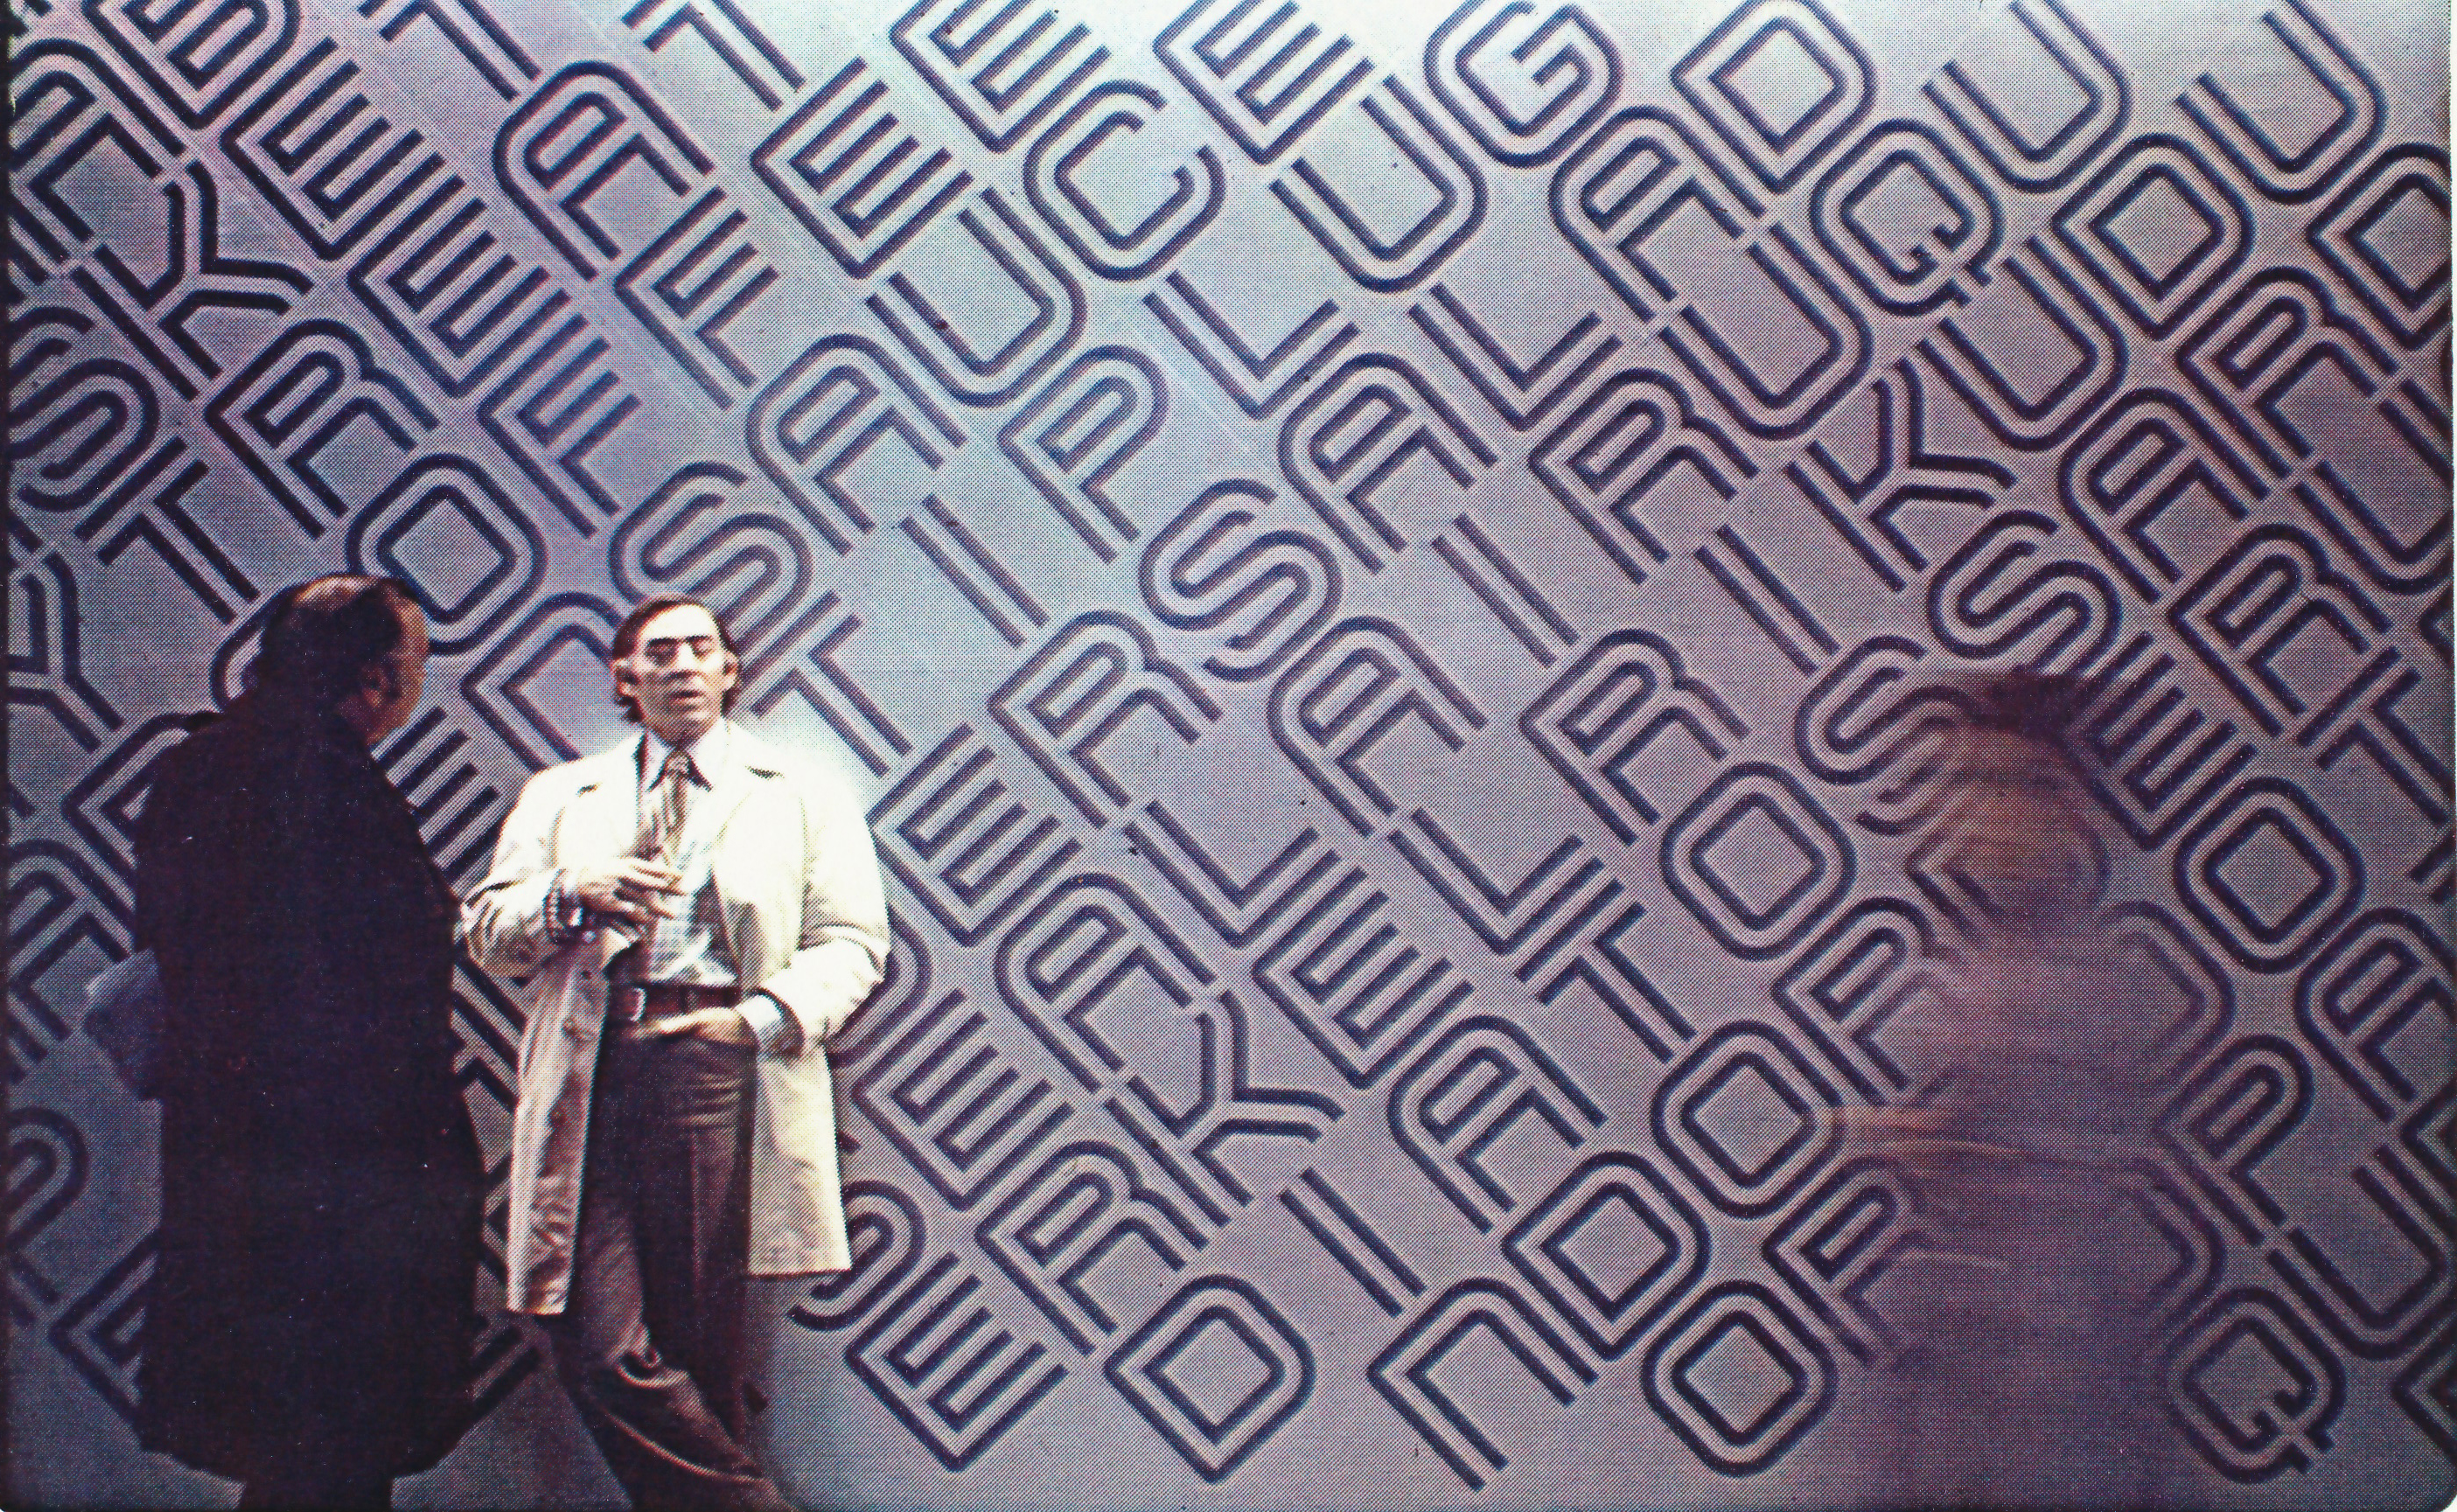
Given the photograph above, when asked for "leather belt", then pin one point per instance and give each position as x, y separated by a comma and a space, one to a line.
638, 1003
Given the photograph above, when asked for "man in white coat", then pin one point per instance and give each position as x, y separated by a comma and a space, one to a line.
696, 920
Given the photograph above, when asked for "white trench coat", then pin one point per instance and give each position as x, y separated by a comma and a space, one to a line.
805, 919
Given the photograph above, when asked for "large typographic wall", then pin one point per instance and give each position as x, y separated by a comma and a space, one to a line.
1379, 566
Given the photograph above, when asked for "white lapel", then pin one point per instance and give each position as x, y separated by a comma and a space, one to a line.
743, 776
737, 778
602, 820
604, 816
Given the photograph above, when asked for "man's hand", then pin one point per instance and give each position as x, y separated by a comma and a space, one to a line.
628, 887
723, 1025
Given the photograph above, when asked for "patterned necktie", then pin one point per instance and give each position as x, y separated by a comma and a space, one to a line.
661, 833
661, 827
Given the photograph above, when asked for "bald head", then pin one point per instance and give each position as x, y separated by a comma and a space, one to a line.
349, 644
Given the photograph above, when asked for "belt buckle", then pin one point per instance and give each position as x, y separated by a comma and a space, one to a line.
633, 1003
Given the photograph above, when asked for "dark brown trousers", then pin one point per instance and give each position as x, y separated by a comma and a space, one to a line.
650, 1344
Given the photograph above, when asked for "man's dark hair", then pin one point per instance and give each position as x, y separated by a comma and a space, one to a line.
626, 640
322, 636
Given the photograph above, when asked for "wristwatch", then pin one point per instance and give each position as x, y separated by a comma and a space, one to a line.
565, 913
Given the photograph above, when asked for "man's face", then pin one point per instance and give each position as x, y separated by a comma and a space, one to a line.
678, 673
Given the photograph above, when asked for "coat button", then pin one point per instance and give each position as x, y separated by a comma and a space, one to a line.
572, 1027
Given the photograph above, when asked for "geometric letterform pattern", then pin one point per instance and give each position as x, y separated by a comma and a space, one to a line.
1383, 569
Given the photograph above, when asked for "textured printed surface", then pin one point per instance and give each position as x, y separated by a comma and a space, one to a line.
1374, 563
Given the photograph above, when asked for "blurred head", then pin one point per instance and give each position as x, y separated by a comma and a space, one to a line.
675, 667
2023, 835
345, 644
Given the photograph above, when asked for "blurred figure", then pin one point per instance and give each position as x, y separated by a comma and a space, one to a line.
311, 1311
2029, 1377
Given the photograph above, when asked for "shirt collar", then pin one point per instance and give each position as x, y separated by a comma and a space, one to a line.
706, 755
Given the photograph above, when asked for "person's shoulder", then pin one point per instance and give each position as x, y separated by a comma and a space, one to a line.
767, 762
219, 750
569, 779
190, 780
209, 739
758, 756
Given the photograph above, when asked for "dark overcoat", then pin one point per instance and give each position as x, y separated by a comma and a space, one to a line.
321, 1184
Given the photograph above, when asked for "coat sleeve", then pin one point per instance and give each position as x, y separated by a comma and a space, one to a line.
842, 954
504, 922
